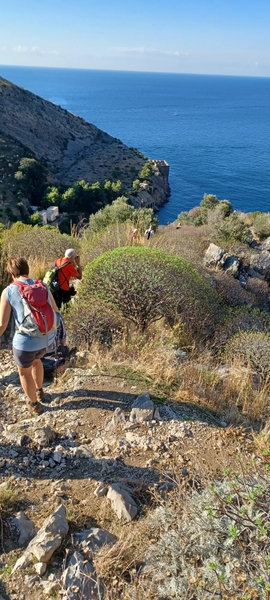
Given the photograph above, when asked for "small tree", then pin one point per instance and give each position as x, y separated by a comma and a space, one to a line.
52, 197
117, 212
136, 185
31, 177
146, 171
36, 219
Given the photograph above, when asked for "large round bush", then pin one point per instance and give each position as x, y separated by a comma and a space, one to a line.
145, 284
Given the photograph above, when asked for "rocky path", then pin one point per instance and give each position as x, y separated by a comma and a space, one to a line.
86, 467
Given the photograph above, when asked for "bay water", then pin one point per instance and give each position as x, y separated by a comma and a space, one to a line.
214, 131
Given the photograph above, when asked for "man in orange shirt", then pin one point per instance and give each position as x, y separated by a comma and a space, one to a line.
69, 266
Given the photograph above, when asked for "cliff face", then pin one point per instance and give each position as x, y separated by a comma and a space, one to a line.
71, 148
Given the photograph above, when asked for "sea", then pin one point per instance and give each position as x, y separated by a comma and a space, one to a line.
214, 131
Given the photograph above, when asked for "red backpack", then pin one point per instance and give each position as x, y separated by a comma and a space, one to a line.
39, 316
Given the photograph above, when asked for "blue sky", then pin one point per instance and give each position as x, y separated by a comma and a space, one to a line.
227, 37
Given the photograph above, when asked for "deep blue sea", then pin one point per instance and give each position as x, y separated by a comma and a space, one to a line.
214, 131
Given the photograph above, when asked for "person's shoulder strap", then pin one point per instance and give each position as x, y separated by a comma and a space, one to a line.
63, 265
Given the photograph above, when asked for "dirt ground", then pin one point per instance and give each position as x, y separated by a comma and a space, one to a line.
184, 444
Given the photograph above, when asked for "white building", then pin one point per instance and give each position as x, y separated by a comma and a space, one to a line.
52, 213
43, 214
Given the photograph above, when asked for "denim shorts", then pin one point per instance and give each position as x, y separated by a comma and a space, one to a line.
25, 359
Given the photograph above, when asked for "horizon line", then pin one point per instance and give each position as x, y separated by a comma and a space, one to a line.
134, 71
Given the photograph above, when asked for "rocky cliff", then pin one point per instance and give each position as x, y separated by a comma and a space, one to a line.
70, 148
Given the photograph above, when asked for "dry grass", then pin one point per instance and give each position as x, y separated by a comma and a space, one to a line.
8, 498
201, 379
188, 242
114, 236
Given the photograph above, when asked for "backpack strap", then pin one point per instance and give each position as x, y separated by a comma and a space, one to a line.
61, 267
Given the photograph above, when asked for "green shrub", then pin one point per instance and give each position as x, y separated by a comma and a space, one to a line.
31, 177
208, 203
261, 225
252, 350
146, 171
244, 319
120, 212
219, 213
147, 284
233, 229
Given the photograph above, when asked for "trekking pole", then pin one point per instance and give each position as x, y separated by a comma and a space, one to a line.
55, 368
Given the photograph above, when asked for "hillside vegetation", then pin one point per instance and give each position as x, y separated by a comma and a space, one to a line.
183, 317
65, 150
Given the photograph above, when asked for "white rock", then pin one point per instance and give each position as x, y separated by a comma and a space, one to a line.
40, 568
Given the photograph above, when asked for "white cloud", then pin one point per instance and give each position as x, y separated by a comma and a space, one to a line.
20, 49
152, 51
34, 50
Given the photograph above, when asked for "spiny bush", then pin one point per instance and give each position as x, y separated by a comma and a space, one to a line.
260, 291
242, 319
231, 291
37, 242
216, 547
147, 284
252, 350
88, 321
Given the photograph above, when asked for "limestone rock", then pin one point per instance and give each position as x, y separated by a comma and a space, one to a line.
82, 452
80, 580
231, 265
142, 409
40, 568
214, 256
93, 539
122, 502
101, 490
118, 419
47, 540
26, 528
261, 262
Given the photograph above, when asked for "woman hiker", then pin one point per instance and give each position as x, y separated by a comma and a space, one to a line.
27, 350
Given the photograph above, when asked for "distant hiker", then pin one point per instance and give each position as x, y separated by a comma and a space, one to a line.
134, 234
179, 225
149, 231
68, 266
35, 313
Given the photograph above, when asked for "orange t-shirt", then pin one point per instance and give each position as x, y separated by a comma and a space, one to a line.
65, 274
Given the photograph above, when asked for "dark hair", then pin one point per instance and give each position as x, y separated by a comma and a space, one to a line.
17, 267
